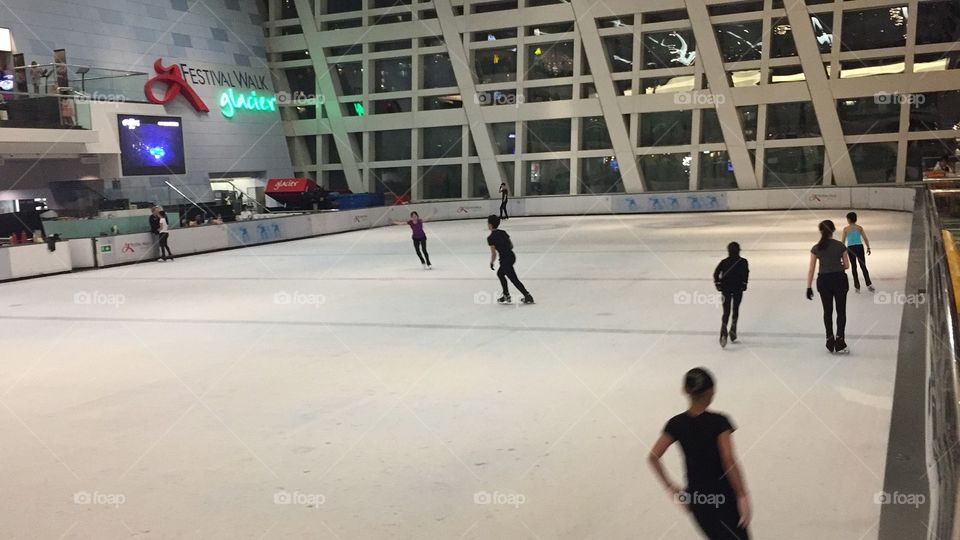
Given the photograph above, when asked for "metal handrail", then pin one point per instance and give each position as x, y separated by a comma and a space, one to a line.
942, 383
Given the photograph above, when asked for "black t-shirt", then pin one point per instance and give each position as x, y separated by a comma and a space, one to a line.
732, 274
500, 240
697, 436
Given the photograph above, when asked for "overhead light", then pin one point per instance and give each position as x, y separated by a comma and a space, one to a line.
491, 37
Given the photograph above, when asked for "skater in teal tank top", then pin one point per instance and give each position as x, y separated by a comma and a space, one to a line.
855, 238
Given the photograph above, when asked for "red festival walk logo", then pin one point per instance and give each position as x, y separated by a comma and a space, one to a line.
176, 84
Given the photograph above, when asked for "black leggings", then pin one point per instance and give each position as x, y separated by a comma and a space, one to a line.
164, 248
734, 298
422, 243
505, 272
503, 209
857, 255
719, 522
833, 289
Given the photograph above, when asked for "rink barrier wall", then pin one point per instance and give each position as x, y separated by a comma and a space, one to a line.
19, 262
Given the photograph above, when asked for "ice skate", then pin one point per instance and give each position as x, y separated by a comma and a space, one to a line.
528, 299
505, 299
840, 347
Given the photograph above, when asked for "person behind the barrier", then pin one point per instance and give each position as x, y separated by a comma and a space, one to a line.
504, 197
730, 277
716, 492
832, 283
500, 244
161, 228
856, 238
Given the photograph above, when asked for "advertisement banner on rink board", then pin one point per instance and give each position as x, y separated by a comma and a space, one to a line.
706, 201
261, 231
127, 248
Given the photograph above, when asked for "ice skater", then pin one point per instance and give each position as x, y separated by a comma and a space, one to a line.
419, 238
730, 277
716, 493
855, 238
499, 242
161, 228
832, 284
504, 197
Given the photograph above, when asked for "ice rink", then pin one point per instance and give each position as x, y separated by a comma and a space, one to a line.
332, 388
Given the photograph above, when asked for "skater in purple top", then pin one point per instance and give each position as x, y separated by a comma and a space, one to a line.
419, 238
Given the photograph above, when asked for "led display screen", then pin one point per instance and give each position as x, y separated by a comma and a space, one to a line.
150, 145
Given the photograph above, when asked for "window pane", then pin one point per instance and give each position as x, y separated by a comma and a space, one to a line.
938, 22
384, 46
504, 137
392, 106
710, 130
441, 142
664, 16
600, 175
549, 93
940, 61
934, 110
663, 85
665, 128
716, 171
666, 172
748, 121
391, 145
801, 166
392, 180
351, 78
850, 69
676, 48
441, 182
495, 65
392, 75
330, 147
874, 28
437, 103
923, 156
302, 80
437, 71
548, 136
478, 184
782, 44
594, 134
619, 52
550, 60
343, 6
547, 177
740, 42
872, 114
874, 163
791, 120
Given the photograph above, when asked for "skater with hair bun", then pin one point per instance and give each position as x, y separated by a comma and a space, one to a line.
832, 284
500, 243
716, 493
730, 278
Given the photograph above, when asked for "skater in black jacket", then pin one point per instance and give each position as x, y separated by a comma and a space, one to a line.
730, 277
500, 244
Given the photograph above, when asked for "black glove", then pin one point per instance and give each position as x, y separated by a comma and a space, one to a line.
491, 266
717, 285
744, 286
809, 293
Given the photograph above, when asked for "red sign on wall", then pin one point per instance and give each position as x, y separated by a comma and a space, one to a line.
290, 185
173, 78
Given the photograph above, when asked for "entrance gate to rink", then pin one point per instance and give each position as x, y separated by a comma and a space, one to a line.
921, 490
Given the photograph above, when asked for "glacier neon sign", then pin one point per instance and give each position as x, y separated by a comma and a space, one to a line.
231, 102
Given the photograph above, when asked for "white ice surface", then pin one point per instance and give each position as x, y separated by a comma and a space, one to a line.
200, 397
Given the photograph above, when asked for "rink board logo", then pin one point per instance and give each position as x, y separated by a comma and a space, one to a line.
667, 202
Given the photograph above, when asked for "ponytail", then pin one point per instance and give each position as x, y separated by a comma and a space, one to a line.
827, 229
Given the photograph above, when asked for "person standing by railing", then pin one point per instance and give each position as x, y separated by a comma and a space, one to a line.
160, 227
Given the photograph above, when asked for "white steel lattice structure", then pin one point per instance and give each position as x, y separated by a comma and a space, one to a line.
446, 99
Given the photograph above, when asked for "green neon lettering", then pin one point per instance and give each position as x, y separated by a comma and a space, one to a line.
231, 102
